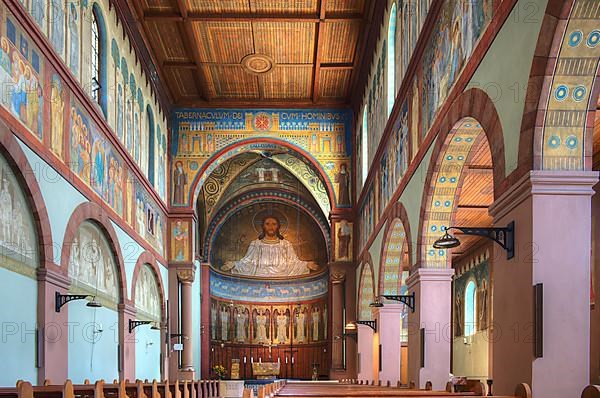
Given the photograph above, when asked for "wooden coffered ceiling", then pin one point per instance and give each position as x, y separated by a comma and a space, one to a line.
199, 46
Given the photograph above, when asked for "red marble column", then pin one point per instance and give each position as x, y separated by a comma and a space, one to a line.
337, 319
127, 311
205, 320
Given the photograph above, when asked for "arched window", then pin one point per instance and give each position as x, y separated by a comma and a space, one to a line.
470, 309
98, 58
365, 146
391, 60
151, 133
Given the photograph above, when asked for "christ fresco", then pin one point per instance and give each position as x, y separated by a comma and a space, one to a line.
270, 255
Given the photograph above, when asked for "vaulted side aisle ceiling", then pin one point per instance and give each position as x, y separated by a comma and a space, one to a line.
235, 52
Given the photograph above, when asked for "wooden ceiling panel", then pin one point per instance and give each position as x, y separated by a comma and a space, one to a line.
472, 218
284, 6
217, 6
223, 42
182, 82
167, 41
336, 50
334, 83
157, 5
285, 42
481, 154
477, 188
231, 81
345, 6
287, 82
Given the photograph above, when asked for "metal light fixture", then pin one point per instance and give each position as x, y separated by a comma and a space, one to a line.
407, 299
505, 237
62, 299
134, 324
155, 326
353, 328
377, 303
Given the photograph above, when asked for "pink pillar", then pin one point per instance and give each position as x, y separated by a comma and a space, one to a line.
365, 351
127, 312
433, 292
552, 215
205, 316
388, 329
53, 359
337, 312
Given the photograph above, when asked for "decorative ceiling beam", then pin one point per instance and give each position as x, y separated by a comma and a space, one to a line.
337, 66
317, 56
189, 41
179, 64
254, 17
193, 102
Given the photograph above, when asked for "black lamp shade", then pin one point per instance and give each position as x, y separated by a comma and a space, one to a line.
446, 242
93, 303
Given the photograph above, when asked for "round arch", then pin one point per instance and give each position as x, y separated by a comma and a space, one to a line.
366, 289
396, 247
556, 134
236, 148
20, 167
149, 259
471, 114
93, 212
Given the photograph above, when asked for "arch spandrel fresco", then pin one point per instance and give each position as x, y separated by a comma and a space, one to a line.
92, 265
18, 240
147, 294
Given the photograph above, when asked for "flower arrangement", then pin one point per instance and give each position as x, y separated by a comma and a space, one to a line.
219, 371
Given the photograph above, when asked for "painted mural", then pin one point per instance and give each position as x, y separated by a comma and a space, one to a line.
199, 133
64, 126
368, 216
366, 293
21, 76
376, 104
92, 265
395, 159
242, 323
18, 241
458, 27
269, 240
343, 241
147, 295
180, 240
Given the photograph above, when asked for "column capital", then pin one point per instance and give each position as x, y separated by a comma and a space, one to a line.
544, 182
429, 275
337, 277
186, 274
55, 278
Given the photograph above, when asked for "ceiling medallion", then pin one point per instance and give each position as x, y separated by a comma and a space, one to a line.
258, 63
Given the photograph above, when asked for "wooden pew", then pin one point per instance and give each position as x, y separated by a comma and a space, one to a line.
591, 391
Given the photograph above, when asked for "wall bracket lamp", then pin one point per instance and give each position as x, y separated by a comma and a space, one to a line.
505, 237
352, 328
407, 299
62, 299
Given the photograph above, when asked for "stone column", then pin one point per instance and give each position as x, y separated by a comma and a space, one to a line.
186, 278
388, 330
337, 319
127, 311
366, 370
433, 293
552, 215
53, 358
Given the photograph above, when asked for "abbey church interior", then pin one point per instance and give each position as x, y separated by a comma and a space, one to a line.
299, 198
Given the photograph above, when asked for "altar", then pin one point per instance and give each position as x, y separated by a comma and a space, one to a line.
265, 370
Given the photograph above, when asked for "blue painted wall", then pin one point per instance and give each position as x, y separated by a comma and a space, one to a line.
147, 353
18, 322
89, 357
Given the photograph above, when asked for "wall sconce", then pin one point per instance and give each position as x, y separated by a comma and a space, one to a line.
353, 329
62, 299
505, 237
134, 324
407, 299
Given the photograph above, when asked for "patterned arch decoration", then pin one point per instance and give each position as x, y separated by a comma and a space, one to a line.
92, 266
393, 259
445, 183
18, 240
570, 97
147, 295
366, 293
201, 135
